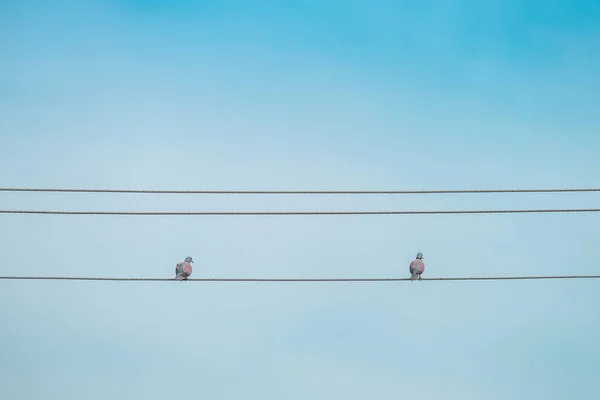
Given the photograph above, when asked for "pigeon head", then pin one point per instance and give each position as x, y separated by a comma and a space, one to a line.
420, 256
189, 259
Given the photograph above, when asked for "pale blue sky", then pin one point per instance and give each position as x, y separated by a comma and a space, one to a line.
299, 95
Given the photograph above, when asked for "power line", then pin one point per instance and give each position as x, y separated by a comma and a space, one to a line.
297, 192
494, 278
263, 213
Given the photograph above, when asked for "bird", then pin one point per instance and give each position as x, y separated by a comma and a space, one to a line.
184, 269
416, 267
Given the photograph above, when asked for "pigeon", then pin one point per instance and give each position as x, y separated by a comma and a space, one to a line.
184, 269
417, 267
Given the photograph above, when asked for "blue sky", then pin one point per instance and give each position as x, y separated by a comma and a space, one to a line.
299, 95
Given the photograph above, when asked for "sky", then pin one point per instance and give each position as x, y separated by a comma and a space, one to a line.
304, 95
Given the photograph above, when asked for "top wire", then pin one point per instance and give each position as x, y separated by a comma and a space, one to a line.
298, 192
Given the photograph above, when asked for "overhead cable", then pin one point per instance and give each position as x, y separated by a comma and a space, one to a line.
299, 192
491, 278
266, 213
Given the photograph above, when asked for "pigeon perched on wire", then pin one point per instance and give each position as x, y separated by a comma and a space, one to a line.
417, 267
184, 269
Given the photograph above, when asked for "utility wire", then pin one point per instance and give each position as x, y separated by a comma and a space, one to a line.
294, 192
496, 278
244, 213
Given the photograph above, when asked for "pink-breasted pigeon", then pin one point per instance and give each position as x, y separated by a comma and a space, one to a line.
184, 269
417, 267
